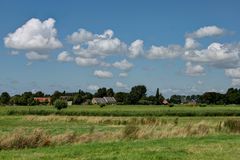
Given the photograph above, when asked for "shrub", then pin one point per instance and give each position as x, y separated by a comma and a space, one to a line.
171, 105
60, 104
102, 105
202, 105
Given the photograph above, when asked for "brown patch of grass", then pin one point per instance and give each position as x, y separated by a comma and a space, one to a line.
20, 139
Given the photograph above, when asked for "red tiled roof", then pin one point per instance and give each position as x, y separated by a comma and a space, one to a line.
42, 99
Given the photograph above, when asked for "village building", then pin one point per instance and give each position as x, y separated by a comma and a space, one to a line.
165, 102
42, 99
104, 100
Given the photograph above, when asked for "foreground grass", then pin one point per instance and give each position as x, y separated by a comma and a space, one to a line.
124, 110
219, 147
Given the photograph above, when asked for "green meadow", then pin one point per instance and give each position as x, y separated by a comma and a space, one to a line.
120, 132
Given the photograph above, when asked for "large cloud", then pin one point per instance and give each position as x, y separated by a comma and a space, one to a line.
102, 74
207, 31
96, 45
220, 55
34, 36
123, 65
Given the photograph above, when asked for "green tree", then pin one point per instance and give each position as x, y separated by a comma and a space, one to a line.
121, 97
136, 93
78, 99
60, 104
233, 96
5, 98
56, 95
110, 92
175, 99
101, 92
39, 94
159, 97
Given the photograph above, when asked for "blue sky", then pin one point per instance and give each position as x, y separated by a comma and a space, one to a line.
181, 47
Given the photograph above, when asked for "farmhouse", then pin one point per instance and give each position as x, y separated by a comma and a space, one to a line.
104, 100
110, 100
165, 102
42, 99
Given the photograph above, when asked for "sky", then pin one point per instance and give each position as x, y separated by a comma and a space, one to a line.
181, 47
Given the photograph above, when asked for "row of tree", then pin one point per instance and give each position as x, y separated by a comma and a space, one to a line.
137, 95
232, 96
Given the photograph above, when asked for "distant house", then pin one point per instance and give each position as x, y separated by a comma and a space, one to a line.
98, 101
192, 102
110, 100
42, 99
165, 102
104, 100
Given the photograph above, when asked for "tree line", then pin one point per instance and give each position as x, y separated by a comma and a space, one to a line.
137, 95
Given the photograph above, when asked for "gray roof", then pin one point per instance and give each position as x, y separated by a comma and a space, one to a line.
104, 100
110, 99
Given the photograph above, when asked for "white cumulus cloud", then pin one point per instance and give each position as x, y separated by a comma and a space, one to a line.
81, 36
123, 65
35, 38
194, 70
136, 48
191, 43
121, 85
221, 55
123, 74
86, 61
64, 57
96, 45
161, 52
207, 31
236, 82
102, 74
34, 35
93, 87
34, 56
233, 72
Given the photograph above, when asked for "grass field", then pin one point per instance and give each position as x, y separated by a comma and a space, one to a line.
125, 110
191, 148
125, 132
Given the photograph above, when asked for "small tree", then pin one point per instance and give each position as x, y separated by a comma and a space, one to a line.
5, 98
60, 104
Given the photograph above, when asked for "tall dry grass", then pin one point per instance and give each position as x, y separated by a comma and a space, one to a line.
135, 128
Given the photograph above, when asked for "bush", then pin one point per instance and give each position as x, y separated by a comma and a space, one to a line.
202, 105
60, 104
102, 105
171, 105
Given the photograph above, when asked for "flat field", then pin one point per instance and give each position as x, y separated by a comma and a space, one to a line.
120, 132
